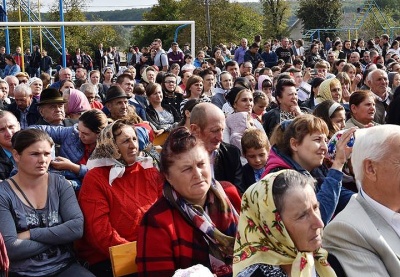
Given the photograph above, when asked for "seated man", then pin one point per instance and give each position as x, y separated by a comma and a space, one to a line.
8, 127
364, 237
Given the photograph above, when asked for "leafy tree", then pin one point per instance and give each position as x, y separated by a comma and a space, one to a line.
276, 14
319, 14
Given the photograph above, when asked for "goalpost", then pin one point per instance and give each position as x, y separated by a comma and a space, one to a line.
103, 23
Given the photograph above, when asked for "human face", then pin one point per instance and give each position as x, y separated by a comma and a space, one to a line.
288, 98
151, 76
80, 73
65, 74
260, 106
285, 42
67, 85
90, 95
352, 74
200, 56
302, 218
244, 103
190, 175
196, 90
322, 71
252, 81
118, 108
211, 135
365, 111
127, 85
226, 81
87, 136
339, 119
243, 42
261, 65
127, 144
209, 82
95, 78
233, 70
156, 97
176, 70
35, 159
396, 81
310, 153
53, 113
3, 90
8, 127
23, 80
12, 83
37, 88
336, 92
170, 83
108, 74
22, 100
331, 58
186, 77
257, 158
367, 57
298, 78
340, 66
378, 83
247, 67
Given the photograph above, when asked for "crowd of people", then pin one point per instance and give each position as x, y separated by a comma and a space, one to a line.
230, 163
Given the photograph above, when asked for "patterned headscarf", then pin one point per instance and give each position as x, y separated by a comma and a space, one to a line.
263, 238
107, 153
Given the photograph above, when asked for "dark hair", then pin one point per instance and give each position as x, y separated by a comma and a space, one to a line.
192, 80
179, 141
287, 180
10, 58
25, 138
280, 86
151, 88
189, 105
242, 82
94, 119
357, 97
118, 125
322, 111
121, 78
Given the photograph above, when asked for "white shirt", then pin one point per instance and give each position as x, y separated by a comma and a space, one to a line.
391, 217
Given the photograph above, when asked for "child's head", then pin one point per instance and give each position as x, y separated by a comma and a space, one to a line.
255, 148
260, 102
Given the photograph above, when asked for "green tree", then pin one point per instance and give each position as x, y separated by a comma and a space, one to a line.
319, 14
276, 14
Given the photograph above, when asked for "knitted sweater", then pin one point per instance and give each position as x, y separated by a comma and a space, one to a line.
113, 213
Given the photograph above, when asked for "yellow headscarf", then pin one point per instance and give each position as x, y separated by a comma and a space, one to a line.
262, 236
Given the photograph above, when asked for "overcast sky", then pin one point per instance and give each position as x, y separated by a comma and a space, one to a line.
107, 5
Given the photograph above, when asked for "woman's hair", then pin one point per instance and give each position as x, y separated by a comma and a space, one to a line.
117, 127
357, 97
267, 83
288, 180
10, 58
93, 72
95, 120
189, 105
173, 66
25, 138
179, 141
151, 88
254, 138
192, 80
167, 75
64, 81
327, 110
259, 95
301, 126
348, 66
281, 84
242, 82
343, 77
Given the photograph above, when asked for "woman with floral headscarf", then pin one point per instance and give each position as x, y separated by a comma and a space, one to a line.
280, 228
116, 191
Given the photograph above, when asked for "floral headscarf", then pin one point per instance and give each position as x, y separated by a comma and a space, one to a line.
263, 238
107, 153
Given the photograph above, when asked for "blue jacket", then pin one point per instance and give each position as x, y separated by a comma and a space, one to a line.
11, 70
330, 194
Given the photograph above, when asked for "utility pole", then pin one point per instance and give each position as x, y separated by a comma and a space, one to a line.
208, 23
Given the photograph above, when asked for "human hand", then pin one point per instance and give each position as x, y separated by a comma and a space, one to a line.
343, 151
295, 110
24, 235
61, 163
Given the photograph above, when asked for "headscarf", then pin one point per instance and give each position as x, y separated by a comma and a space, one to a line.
261, 79
107, 153
77, 102
325, 90
218, 223
263, 238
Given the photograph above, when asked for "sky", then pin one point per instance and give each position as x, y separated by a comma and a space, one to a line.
107, 5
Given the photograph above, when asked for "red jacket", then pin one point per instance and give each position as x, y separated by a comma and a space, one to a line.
113, 213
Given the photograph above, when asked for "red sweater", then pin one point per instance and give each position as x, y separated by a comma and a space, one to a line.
113, 213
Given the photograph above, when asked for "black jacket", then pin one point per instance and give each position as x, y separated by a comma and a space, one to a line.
227, 165
153, 118
248, 176
6, 165
33, 113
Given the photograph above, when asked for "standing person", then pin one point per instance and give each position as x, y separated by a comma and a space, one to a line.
240, 51
46, 63
194, 222
176, 55
117, 59
40, 216
98, 53
27, 59
18, 56
34, 64
116, 192
87, 61
2, 58
284, 52
252, 54
270, 58
161, 58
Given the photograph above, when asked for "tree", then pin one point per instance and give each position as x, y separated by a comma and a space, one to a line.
276, 14
320, 14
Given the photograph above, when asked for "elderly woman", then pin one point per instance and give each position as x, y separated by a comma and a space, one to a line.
162, 117
194, 222
76, 103
117, 190
280, 229
300, 144
330, 89
362, 109
39, 214
36, 85
90, 92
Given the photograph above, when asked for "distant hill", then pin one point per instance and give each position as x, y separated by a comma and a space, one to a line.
118, 15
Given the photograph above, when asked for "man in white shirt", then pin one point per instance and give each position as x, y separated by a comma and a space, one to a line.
365, 236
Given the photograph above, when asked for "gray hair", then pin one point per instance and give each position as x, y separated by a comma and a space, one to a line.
23, 88
373, 144
88, 87
369, 76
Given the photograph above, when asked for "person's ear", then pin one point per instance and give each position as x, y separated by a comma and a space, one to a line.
293, 144
370, 170
194, 129
15, 155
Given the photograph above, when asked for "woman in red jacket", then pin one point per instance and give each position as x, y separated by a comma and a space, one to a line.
194, 222
116, 191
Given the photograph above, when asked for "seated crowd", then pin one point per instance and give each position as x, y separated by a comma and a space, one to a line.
241, 162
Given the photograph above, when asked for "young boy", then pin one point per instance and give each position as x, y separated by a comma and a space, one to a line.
255, 147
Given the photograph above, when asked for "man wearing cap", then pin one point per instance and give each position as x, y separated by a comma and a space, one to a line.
116, 102
63, 74
8, 127
25, 106
51, 108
